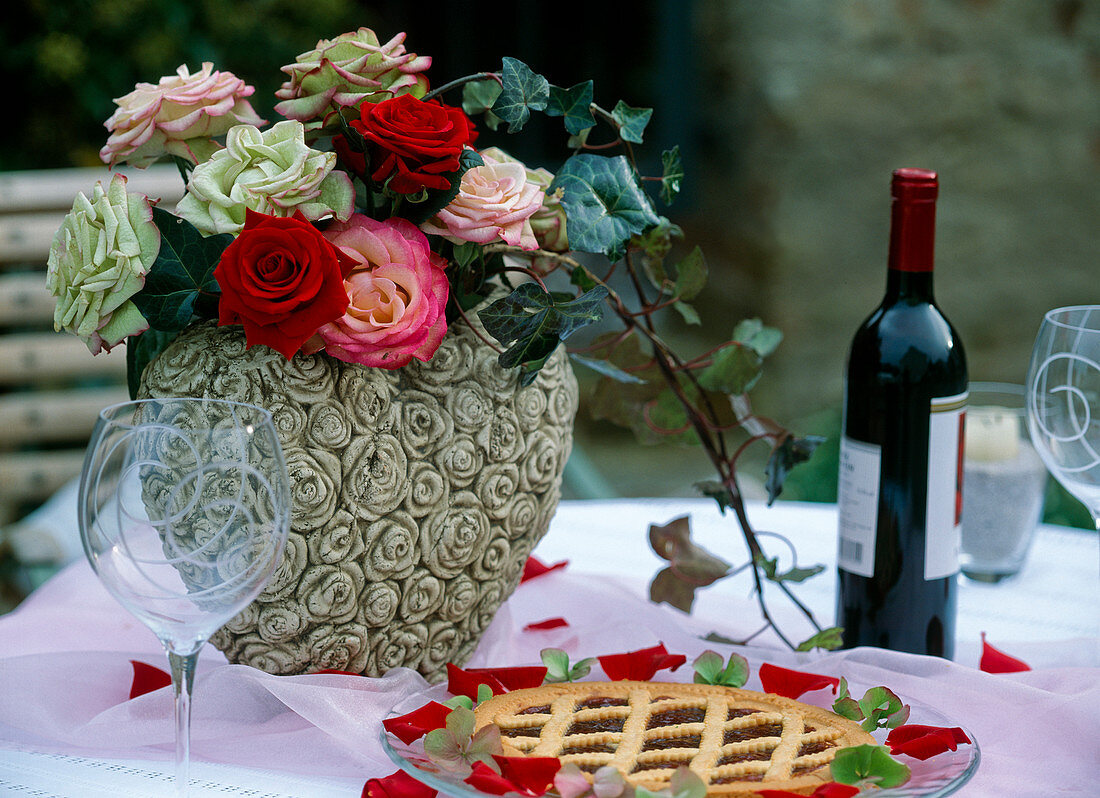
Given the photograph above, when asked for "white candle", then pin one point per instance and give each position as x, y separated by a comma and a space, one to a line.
992, 433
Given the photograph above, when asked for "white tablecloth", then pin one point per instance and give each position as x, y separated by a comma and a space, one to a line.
67, 728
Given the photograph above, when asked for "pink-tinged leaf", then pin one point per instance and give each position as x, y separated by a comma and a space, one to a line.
925, 742
792, 684
417, 723
640, 665
996, 661
828, 790
147, 678
531, 775
549, 623
534, 567
570, 782
460, 682
516, 678
397, 785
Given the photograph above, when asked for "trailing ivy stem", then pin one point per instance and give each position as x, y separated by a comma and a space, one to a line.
461, 81
477, 332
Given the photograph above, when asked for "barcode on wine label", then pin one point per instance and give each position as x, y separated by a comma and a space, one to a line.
851, 550
857, 501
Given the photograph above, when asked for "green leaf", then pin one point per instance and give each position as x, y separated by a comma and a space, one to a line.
583, 279
753, 333
557, 664
631, 121
872, 764
581, 669
575, 104
460, 701
606, 368
523, 91
691, 275
673, 174
733, 370
828, 639
180, 283
687, 312
140, 350
460, 722
789, 453
466, 253
690, 565
795, 574
484, 693
717, 491
845, 705
531, 322
882, 708
478, 97
709, 669
685, 783
604, 205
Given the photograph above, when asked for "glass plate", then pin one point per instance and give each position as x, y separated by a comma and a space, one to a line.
939, 776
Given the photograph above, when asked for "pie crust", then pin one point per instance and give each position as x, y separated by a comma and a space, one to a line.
736, 741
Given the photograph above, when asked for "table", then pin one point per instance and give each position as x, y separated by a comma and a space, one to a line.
66, 728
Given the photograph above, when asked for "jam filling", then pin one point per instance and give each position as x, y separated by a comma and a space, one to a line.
751, 756
801, 770
740, 712
541, 709
735, 779
673, 717
598, 702
595, 748
767, 730
526, 731
655, 766
691, 741
813, 748
593, 726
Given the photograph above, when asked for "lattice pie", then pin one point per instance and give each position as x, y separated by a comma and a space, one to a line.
737, 741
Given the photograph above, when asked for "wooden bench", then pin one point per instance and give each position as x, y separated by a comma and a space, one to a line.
51, 388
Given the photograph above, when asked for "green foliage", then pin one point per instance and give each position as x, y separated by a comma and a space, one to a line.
456, 747
709, 669
828, 639
575, 104
478, 97
558, 668
632, 121
672, 175
879, 708
523, 91
690, 565
140, 350
789, 453
769, 567
868, 764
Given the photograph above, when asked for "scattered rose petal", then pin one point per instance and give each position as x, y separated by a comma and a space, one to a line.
417, 723
549, 623
460, 682
531, 775
515, 678
996, 661
830, 790
792, 684
337, 672
398, 784
925, 742
147, 678
535, 567
640, 665
484, 778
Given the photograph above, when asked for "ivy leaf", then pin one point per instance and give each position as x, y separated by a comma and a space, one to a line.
140, 350
604, 205
478, 97
532, 322
790, 452
180, 283
672, 174
606, 368
752, 332
733, 370
717, 491
575, 104
873, 764
582, 278
631, 121
795, 574
691, 275
709, 669
828, 639
690, 566
523, 91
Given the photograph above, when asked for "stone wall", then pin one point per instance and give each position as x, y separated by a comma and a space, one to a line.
808, 108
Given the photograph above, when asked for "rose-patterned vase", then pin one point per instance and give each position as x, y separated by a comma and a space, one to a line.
418, 495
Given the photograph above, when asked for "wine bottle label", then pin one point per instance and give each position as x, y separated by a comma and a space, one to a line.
943, 511
857, 502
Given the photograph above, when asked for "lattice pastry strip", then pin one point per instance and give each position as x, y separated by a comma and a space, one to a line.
737, 741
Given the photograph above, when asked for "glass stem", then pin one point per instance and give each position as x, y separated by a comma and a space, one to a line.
183, 680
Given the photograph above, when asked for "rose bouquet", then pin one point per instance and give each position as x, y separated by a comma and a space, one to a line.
367, 220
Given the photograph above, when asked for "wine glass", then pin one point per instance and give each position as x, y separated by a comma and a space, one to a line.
1063, 400
184, 508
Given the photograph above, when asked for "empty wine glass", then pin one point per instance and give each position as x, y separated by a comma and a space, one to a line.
1063, 400
184, 509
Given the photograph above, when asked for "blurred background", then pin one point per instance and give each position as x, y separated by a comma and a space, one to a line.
790, 116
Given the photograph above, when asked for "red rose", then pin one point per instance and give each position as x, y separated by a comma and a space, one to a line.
414, 143
281, 279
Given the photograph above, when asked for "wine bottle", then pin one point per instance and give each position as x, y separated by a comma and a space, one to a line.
900, 482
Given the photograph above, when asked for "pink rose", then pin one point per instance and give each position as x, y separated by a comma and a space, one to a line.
179, 116
495, 202
397, 292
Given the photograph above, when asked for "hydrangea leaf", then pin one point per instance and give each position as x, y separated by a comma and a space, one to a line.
140, 351
575, 104
790, 452
672, 175
523, 91
180, 284
557, 664
632, 121
863, 764
603, 202
882, 709
709, 669
685, 783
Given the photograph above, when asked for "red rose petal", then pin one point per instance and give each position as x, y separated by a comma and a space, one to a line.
549, 623
417, 723
532, 775
484, 778
460, 682
517, 678
534, 567
996, 661
337, 672
830, 790
640, 665
792, 684
925, 742
147, 678
397, 785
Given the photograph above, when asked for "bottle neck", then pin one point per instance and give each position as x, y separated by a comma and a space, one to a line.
911, 286
912, 245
